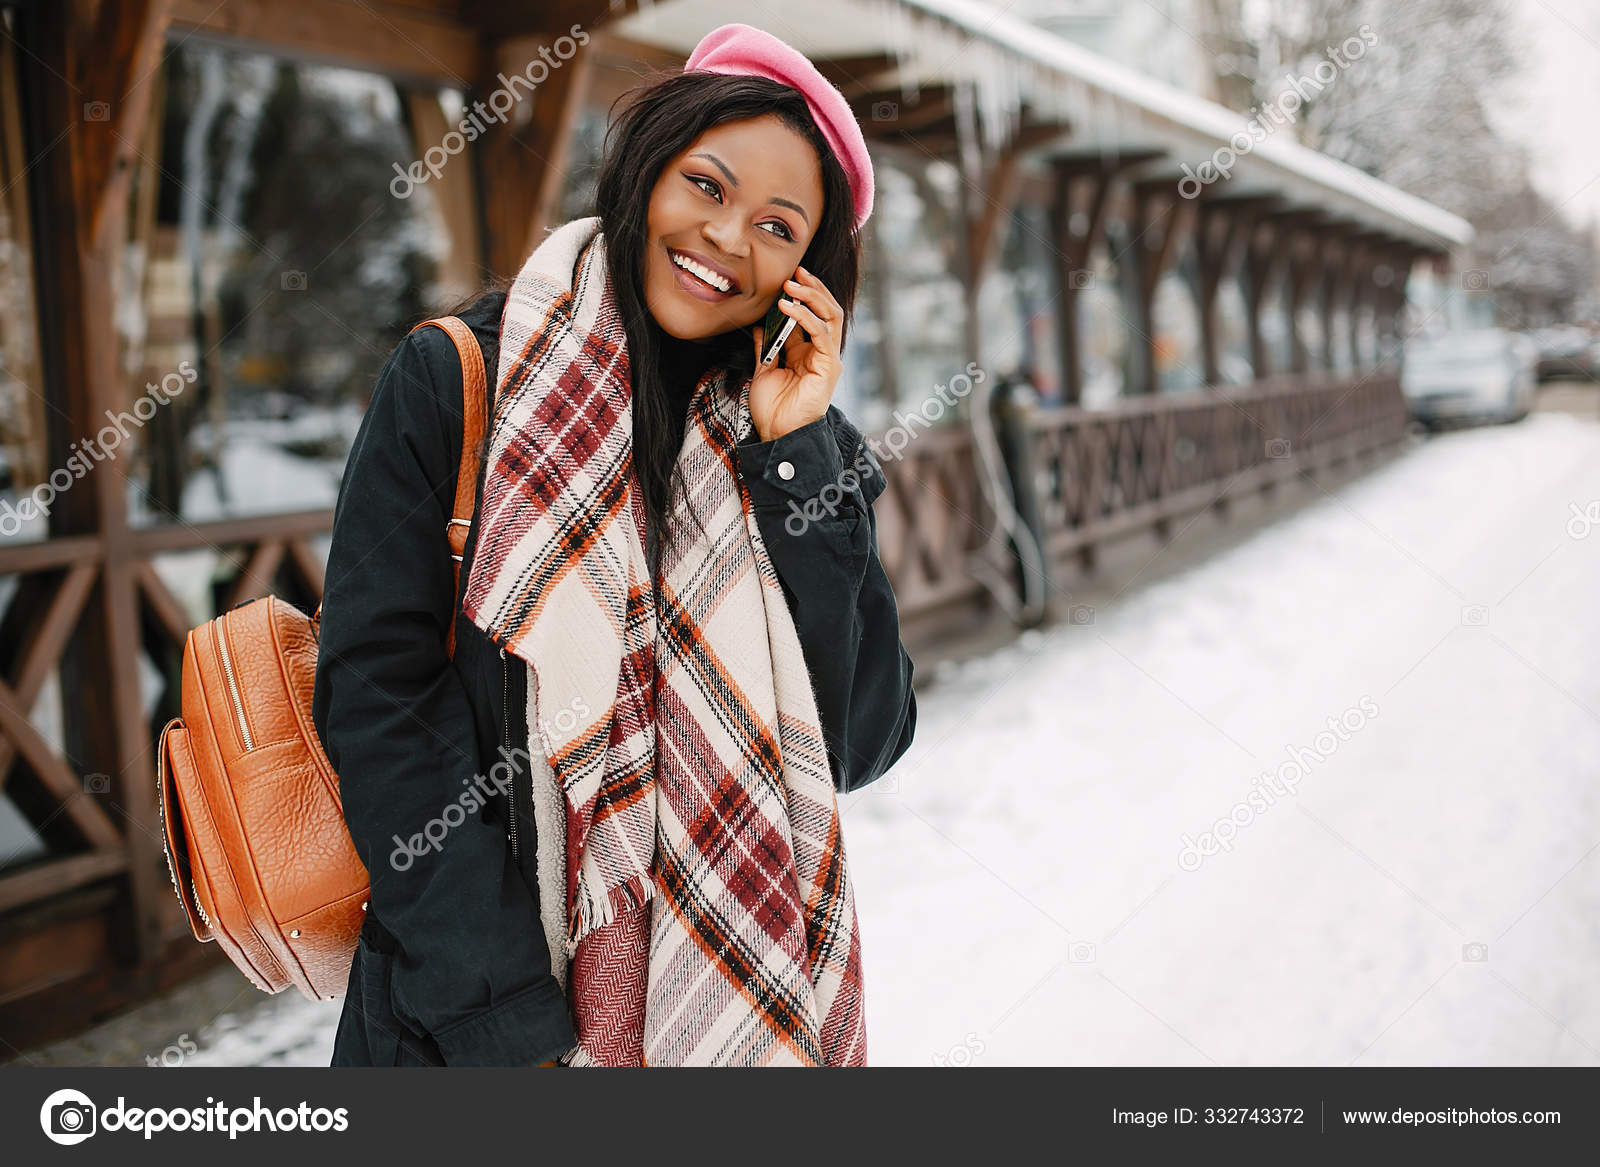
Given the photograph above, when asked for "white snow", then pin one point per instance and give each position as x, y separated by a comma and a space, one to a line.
1043, 803
1018, 873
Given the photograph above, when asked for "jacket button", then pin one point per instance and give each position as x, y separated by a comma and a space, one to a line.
786, 470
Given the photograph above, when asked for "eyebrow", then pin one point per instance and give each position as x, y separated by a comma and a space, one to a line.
722, 166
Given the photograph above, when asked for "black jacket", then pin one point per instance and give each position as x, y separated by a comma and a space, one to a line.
453, 967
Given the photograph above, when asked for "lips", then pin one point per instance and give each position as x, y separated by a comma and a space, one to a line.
693, 283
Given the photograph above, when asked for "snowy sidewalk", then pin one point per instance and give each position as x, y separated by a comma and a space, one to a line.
1025, 893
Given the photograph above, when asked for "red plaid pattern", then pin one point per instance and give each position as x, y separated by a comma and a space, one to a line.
711, 919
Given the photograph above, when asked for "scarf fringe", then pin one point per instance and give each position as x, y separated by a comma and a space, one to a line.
591, 911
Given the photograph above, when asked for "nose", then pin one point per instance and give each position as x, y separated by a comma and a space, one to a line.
726, 233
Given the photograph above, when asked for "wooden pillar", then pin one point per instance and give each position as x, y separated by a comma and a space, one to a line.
1223, 231
1259, 264
1214, 233
92, 71
1304, 258
522, 163
1358, 268
1162, 218
1333, 285
1079, 191
883, 308
986, 212
1398, 258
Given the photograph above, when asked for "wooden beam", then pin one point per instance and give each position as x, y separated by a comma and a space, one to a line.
404, 41
255, 580
616, 50
931, 107
1216, 238
45, 642
523, 166
32, 883
168, 612
49, 637
59, 779
117, 80
505, 19
1157, 206
855, 75
999, 197
1084, 190
307, 566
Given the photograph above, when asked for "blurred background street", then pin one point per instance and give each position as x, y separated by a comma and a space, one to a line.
1234, 366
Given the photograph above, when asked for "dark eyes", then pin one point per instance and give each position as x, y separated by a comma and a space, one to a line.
716, 191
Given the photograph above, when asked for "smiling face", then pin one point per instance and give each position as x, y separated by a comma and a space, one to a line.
729, 220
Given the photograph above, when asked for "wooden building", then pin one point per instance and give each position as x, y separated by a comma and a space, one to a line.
183, 181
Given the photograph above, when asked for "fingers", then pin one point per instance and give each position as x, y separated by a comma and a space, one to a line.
821, 332
810, 290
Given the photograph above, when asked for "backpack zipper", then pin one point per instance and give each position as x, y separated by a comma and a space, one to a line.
511, 794
233, 686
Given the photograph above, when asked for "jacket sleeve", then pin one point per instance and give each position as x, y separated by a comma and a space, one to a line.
472, 967
822, 534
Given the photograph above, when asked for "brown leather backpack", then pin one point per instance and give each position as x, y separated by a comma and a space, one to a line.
255, 834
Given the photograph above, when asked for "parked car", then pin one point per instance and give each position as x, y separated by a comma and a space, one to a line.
1485, 375
1566, 352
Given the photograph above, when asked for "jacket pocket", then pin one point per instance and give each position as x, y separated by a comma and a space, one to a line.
369, 1032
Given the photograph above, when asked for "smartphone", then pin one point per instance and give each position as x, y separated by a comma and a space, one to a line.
776, 329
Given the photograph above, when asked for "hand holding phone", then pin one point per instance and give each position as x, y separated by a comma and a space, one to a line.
776, 329
792, 387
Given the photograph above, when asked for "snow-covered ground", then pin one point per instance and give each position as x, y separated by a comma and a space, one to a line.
1428, 893
1025, 890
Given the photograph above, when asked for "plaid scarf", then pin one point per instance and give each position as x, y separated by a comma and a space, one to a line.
710, 914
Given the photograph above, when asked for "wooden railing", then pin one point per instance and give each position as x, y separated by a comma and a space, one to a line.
61, 923
1101, 474
1105, 473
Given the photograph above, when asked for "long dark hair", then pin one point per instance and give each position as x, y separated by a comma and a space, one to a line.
661, 120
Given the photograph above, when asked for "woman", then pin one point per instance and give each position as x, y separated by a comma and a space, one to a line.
672, 626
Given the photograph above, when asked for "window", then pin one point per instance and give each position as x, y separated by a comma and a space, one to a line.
276, 263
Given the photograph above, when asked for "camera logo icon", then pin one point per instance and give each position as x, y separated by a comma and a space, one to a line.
68, 1117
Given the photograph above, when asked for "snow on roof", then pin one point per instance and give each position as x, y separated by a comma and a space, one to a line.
1165, 111
1110, 107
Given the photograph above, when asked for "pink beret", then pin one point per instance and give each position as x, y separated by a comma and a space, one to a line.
740, 49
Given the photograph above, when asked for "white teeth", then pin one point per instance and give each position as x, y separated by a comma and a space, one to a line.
716, 281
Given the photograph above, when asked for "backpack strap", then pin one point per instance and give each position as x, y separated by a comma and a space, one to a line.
474, 417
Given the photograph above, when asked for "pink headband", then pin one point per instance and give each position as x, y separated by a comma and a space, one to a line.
739, 49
